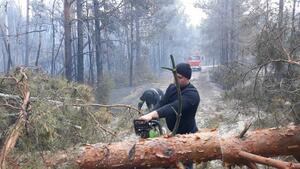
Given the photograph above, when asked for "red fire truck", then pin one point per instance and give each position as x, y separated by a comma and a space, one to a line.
195, 62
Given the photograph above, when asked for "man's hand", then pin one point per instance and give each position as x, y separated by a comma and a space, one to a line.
140, 105
149, 116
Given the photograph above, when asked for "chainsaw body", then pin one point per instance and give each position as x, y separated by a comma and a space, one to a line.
148, 129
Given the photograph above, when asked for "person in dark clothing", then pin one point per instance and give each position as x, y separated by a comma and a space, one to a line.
190, 102
152, 97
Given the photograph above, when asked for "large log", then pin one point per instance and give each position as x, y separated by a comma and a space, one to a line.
199, 147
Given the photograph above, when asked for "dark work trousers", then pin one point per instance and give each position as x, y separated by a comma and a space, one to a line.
188, 165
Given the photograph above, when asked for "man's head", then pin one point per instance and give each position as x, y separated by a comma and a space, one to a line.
184, 73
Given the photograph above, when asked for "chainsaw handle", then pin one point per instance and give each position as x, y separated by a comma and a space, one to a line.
156, 123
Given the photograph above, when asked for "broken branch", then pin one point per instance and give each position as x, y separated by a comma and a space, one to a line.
268, 161
247, 126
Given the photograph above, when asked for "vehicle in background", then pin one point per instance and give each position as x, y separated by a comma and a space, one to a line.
194, 62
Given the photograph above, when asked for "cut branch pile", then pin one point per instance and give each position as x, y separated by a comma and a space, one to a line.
10, 141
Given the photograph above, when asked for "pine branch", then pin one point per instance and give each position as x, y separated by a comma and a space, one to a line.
268, 161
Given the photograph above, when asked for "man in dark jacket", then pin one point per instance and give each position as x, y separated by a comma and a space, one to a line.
152, 97
190, 102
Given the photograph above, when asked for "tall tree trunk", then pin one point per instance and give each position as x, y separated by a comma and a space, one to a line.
293, 24
158, 56
7, 39
223, 39
139, 61
128, 45
107, 52
80, 63
122, 55
53, 40
292, 38
4, 60
267, 13
226, 32
280, 13
27, 35
99, 63
39, 49
131, 58
74, 54
91, 59
232, 31
68, 40
152, 59
164, 53
91, 53
279, 65
57, 53
105, 22
7, 47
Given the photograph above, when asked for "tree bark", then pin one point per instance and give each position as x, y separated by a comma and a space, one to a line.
39, 50
232, 32
91, 53
139, 61
280, 13
279, 65
199, 147
68, 48
293, 18
131, 57
99, 64
53, 39
6, 39
80, 64
224, 32
27, 35
4, 60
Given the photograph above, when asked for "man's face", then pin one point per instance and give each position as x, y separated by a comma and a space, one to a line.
183, 81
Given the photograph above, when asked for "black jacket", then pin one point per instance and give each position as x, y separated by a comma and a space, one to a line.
190, 102
152, 97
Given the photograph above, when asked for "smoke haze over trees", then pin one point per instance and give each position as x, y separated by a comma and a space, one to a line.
86, 40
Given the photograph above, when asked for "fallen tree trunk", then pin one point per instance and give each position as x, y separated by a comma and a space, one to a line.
199, 147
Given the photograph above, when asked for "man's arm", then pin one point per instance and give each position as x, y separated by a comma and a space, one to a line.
149, 116
187, 101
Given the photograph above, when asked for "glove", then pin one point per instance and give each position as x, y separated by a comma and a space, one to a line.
140, 105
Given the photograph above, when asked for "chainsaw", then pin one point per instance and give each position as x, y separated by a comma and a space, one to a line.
148, 129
